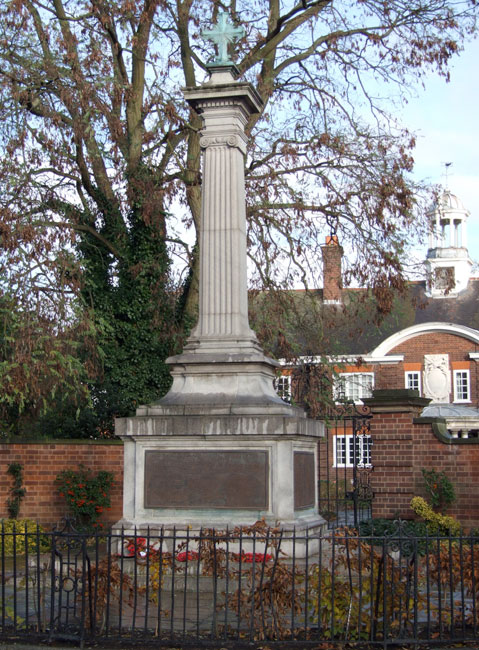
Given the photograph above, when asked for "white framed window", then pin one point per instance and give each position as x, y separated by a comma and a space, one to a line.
353, 386
412, 380
282, 385
462, 389
344, 451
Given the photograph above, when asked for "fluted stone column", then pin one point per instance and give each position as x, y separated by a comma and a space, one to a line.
225, 107
223, 308
222, 363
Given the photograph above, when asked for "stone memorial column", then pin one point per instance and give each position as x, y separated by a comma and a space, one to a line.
221, 448
223, 309
222, 361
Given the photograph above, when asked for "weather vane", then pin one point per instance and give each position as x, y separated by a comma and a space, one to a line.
446, 173
222, 35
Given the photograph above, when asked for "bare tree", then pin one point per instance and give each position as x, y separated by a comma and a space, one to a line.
100, 173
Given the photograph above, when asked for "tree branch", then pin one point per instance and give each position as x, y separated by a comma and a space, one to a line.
82, 227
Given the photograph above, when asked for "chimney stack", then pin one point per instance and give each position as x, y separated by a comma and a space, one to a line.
332, 278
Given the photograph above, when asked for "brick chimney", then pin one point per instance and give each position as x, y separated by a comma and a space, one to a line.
332, 279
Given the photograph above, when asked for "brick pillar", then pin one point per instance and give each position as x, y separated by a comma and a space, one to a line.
393, 435
332, 279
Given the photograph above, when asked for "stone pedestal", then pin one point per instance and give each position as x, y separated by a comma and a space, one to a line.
212, 470
221, 448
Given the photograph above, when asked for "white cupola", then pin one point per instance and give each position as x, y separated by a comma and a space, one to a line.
448, 266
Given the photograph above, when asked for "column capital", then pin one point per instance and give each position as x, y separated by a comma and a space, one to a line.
223, 140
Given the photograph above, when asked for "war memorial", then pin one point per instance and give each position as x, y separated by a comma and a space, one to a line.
221, 448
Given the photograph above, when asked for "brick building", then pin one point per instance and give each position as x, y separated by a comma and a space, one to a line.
429, 343
430, 340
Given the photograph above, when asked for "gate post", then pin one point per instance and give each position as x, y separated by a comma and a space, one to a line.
393, 431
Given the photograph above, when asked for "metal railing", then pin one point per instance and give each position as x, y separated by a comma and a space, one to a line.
242, 585
345, 495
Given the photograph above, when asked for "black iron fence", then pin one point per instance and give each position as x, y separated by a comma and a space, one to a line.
253, 584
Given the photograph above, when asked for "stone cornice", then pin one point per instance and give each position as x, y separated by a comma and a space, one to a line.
240, 92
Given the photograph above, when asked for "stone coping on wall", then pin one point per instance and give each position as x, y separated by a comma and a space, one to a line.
61, 441
440, 430
395, 400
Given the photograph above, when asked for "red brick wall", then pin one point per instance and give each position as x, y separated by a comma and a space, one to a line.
42, 461
415, 348
460, 462
401, 448
324, 462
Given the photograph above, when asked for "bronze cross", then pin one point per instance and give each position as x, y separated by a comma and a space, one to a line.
221, 35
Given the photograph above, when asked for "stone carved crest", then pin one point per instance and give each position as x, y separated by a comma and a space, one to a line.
437, 378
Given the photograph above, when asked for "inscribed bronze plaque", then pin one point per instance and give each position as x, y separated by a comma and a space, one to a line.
304, 480
206, 479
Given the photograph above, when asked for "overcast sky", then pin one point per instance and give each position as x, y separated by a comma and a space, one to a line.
446, 118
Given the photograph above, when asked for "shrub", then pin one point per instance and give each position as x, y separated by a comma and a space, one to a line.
378, 528
439, 488
410, 536
15, 534
17, 492
362, 585
436, 523
87, 496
